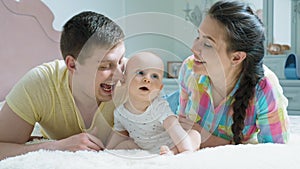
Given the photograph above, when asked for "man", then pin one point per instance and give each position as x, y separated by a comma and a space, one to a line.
69, 98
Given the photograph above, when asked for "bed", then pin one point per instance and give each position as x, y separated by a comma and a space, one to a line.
259, 156
28, 39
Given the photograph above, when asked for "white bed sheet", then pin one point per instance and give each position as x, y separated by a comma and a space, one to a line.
259, 156
295, 124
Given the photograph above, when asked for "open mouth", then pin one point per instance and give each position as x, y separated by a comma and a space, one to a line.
144, 88
198, 61
108, 87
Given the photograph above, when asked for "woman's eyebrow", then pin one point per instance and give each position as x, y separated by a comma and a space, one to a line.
210, 38
205, 36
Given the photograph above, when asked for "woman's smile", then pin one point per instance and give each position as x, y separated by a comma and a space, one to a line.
198, 61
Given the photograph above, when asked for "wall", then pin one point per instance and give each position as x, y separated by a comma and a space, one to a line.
65, 9
147, 25
164, 30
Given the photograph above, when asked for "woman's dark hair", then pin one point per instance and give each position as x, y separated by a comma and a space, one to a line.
245, 32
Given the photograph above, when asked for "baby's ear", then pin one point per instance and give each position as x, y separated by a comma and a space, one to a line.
161, 87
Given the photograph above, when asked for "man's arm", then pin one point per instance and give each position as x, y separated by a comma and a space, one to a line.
15, 132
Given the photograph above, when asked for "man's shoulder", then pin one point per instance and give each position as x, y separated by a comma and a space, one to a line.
53, 66
107, 107
54, 70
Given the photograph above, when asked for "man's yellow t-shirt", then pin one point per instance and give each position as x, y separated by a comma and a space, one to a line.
43, 95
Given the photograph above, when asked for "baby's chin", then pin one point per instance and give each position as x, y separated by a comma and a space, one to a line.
154, 94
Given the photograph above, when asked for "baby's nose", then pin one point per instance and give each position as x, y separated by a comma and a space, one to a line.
145, 80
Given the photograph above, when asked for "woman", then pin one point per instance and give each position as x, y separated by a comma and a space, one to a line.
224, 87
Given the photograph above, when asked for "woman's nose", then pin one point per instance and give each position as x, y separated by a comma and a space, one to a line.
195, 52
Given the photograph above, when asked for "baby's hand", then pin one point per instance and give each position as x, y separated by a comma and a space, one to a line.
165, 150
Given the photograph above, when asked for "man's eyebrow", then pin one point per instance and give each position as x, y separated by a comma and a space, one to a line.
102, 61
108, 60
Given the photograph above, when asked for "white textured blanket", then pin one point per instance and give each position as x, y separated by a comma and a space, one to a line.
260, 156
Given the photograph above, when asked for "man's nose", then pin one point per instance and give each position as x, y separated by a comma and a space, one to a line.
118, 73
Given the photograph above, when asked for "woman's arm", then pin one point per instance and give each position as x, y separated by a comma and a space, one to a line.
271, 108
207, 139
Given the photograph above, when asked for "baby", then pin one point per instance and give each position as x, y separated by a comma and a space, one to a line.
147, 118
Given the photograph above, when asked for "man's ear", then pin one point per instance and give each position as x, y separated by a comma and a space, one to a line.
123, 79
238, 57
71, 63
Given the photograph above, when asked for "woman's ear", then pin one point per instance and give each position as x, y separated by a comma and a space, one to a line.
71, 63
238, 57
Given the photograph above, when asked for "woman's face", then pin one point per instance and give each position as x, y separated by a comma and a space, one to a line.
209, 49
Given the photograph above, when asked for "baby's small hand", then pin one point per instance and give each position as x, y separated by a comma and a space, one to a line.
165, 150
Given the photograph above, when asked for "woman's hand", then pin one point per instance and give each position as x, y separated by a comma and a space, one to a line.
207, 139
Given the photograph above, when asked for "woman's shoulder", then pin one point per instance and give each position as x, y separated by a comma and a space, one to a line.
270, 79
269, 73
269, 83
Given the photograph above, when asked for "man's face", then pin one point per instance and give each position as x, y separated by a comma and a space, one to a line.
99, 74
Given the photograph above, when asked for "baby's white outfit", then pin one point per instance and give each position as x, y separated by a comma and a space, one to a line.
146, 129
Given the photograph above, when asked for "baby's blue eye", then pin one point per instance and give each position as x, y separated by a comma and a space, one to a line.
155, 76
140, 73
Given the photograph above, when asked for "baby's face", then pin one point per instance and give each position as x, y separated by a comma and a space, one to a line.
144, 74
